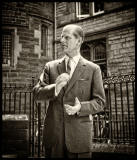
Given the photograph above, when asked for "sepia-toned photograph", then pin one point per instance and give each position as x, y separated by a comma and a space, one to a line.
68, 79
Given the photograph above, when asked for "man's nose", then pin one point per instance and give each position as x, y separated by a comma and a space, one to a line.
62, 40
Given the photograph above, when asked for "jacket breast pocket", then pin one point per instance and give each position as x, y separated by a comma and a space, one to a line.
81, 89
83, 83
83, 79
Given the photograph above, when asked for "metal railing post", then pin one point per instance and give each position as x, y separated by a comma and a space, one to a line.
39, 126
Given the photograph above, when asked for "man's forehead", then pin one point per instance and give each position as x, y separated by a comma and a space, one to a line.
68, 31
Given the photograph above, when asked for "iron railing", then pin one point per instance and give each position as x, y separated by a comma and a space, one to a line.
120, 94
115, 125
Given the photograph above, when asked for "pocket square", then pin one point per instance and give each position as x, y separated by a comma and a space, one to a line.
83, 79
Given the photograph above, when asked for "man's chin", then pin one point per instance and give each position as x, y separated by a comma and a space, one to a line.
68, 53
65, 51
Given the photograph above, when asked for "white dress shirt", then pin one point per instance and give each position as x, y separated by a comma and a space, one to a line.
73, 64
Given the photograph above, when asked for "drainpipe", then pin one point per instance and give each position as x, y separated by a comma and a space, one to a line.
55, 56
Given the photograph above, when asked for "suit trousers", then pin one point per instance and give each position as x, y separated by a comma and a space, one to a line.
59, 150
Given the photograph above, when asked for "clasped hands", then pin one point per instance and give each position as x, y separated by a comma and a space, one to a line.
62, 81
71, 110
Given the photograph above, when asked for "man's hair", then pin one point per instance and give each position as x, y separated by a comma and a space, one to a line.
78, 31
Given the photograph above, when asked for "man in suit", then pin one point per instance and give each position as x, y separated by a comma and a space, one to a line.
75, 92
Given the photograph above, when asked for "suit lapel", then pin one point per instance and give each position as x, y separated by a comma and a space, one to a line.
80, 68
61, 66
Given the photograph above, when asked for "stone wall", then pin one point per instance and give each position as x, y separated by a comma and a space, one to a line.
116, 25
121, 51
26, 18
15, 136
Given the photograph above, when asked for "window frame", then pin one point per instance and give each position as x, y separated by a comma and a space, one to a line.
78, 11
102, 61
12, 33
44, 46
94, 55
91, 11
92, 44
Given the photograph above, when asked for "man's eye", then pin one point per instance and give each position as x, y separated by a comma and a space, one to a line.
67, 37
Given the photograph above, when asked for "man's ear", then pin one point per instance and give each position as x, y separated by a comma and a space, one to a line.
80, 40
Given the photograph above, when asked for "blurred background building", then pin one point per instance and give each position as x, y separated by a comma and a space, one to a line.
27, 39
31, 31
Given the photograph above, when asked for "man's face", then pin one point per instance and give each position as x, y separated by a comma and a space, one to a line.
69, 42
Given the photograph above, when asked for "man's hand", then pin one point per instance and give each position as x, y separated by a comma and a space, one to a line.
61, 81
71, 110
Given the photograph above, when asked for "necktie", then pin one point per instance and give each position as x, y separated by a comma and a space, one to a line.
69, 66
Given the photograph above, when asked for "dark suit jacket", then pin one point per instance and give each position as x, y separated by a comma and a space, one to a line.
86, 84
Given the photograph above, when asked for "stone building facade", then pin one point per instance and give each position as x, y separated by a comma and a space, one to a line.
27, 44
27, 39
109, 42
111, 32
25, 49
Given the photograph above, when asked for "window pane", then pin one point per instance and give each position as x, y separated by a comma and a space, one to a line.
84, 8
99, 52
99, 55
98, 6
6, 48
44, 34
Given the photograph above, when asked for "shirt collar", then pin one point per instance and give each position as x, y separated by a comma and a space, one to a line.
75, 59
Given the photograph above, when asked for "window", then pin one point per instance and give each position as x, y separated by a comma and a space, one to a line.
44, 40
99, 52
97, 7
99, 55
95, 51
82, 9
7, 47
85, 51
86, 9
